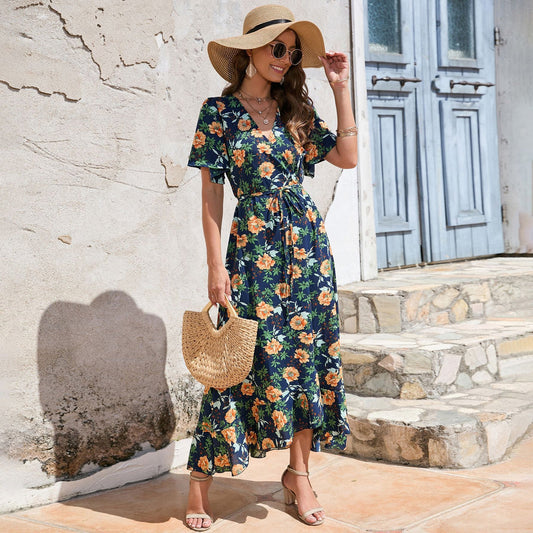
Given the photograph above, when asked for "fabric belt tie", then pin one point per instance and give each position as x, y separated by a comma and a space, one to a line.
290, 201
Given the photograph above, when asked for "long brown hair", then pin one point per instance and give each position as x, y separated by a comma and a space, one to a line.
295, 105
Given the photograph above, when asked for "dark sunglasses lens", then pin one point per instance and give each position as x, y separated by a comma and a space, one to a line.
296, 56
279, 50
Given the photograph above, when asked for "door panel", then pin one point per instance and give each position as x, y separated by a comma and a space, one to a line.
430, 76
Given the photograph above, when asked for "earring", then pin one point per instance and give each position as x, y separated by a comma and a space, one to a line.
250, 69
282, 80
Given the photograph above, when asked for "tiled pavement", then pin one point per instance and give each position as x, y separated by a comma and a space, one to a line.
358, 496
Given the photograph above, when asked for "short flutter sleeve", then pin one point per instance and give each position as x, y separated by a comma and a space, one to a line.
209, 146
321, 141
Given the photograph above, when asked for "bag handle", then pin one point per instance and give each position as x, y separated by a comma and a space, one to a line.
231, 309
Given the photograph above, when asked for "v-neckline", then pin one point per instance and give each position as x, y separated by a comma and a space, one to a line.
253, 120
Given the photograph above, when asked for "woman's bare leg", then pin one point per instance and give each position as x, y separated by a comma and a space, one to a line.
198, 500
299, 460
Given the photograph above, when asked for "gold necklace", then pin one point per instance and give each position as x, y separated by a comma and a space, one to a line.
246, 96
266, 121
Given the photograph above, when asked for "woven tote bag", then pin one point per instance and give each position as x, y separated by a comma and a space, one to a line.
222, 357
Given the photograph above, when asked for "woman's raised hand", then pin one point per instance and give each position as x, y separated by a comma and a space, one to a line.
337, 66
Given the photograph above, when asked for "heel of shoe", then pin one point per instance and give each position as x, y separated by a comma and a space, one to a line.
290, 497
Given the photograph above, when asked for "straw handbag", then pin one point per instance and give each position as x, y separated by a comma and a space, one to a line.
222, 357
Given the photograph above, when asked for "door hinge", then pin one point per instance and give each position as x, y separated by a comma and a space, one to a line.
498, 41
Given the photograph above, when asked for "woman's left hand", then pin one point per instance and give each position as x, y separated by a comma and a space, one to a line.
336, 66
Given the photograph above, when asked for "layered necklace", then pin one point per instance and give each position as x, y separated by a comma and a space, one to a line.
264, 111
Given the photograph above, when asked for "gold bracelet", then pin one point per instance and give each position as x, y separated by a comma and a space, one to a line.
333, 83
348, 132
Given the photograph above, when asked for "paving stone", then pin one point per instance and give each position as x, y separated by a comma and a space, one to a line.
398, 415
382, 385
478, 292
463, 381
352, 358
475, 357
477, 309
444, 299
388, 313
423, 313
367, 321
392, 362
350, 325
459, 311
492, 359
417, 363
482, 377
412, 391
498, 434
411, 305
441, 318
516, 346
449, 368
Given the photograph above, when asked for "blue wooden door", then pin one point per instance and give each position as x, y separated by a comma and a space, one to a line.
430, 82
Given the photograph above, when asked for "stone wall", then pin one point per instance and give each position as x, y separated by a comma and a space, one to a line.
101, 240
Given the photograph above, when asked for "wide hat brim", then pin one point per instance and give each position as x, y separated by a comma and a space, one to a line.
222, 51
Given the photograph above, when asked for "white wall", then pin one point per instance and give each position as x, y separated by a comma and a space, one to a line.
514, 80
100, 257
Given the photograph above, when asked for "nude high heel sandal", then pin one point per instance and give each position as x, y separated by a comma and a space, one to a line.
203, 516
290, 498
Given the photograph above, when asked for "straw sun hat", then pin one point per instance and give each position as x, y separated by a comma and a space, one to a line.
261, 26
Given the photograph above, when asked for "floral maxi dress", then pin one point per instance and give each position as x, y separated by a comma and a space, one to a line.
282, 275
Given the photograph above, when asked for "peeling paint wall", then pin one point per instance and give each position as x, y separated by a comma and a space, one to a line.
514, 79
100, 235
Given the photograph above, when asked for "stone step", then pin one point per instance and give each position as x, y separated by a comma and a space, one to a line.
460, 430
439, 294
435, 360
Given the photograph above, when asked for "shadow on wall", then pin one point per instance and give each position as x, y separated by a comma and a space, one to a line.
102, 383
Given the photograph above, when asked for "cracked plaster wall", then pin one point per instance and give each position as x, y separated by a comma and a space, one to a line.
100, 233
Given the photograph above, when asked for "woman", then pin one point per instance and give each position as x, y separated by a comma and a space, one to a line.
263, 134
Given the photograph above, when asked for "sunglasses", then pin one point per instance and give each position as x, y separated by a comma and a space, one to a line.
280, 49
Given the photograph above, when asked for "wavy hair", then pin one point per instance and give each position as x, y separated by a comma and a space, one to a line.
295, 105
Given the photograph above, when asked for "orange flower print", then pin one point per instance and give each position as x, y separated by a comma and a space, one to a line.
290, 373
298, 322
222, 460
300, 149
294, 271
199, 139
216, 128
289, 157
236, 281
300, 253
256, 133
255, 224
266, 169
203, 463
244, 124
263, 310
328, 397
303, 402
273, 394
325, 298
264, 148
268, 444
283, 290
265, 262
311, 215
332, 379
291, 236
335, 349
247, 389
251, 437
229, 435
239, 157
242, 241
273, 347
311, 152
279, 419
325, 267
255, 412
230, 416
221, 106
207, 428
302, 355
306, 338
234, 227
237, 469
271, 137
322, 227
323, 124
328, 437
272, 204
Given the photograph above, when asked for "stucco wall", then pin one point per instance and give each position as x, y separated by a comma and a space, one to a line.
101, 241
514, 79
